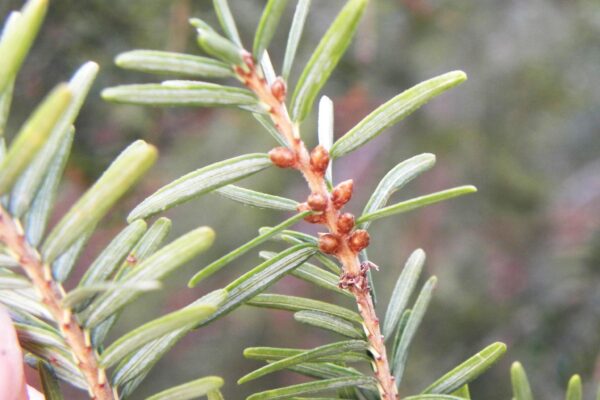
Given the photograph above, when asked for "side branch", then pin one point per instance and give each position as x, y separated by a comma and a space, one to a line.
342, 239
52, 294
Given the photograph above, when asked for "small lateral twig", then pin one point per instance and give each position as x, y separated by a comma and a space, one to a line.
52, 294
342, 239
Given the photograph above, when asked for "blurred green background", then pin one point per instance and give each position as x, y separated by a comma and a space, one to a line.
517, 262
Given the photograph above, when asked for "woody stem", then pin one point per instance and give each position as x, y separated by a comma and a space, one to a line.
386, 382
52, 294
354, 277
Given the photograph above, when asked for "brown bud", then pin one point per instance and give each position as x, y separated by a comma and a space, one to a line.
279, 89
282, 157
317, 202
319, 159
342, 193
359, 240
328, 243
314, 218
345, 223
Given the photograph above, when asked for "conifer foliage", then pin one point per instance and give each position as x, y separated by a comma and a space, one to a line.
336, 260
63, 330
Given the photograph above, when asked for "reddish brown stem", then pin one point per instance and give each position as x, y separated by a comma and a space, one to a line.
343, 243
52, 294
387, 385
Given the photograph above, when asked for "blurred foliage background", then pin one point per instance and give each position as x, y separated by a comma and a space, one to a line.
518, 262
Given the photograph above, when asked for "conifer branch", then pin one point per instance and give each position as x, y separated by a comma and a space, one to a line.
342, 240
52, 293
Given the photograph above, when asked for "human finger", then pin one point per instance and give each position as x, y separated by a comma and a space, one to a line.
12, 381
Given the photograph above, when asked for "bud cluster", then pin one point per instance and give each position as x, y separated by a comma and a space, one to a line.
330, 243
